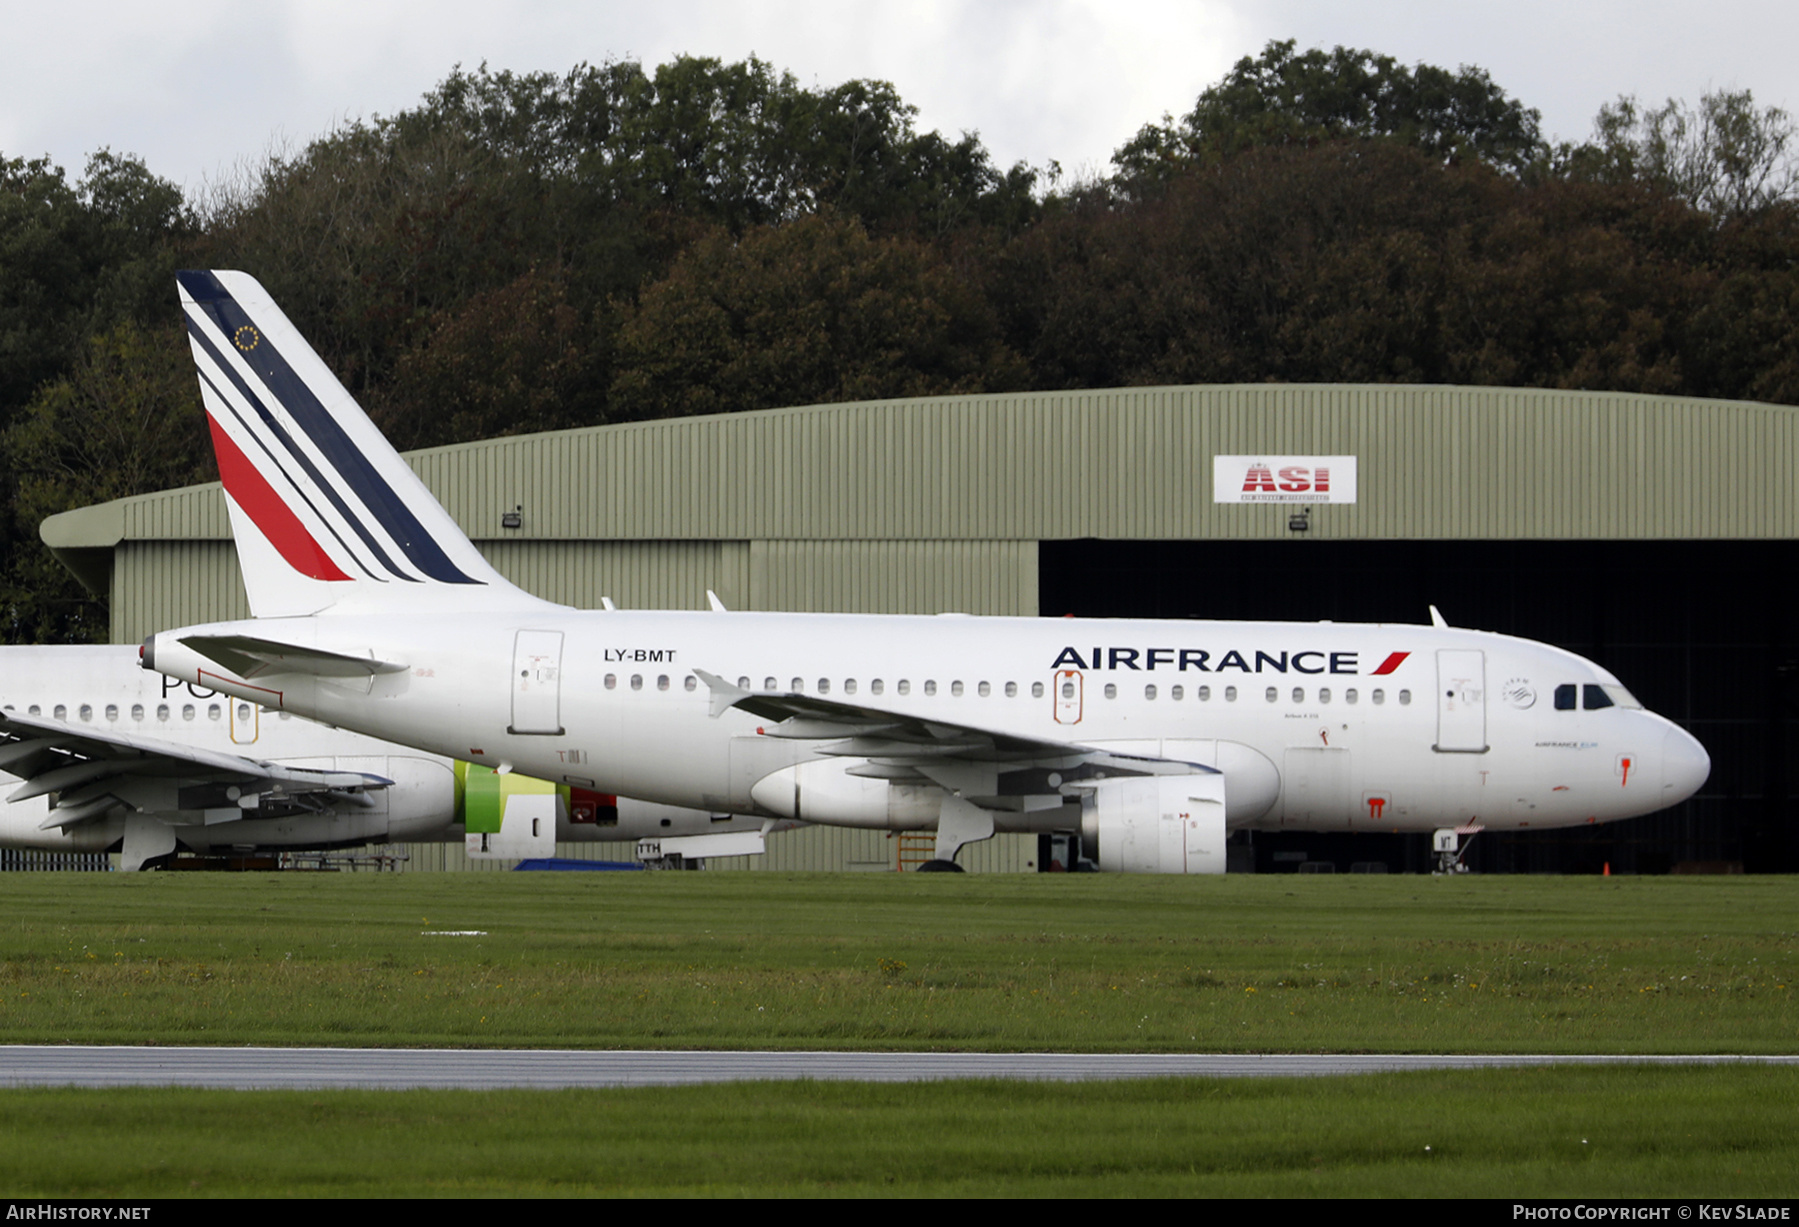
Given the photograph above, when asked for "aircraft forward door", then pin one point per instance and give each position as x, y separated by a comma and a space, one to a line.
1070, 696
537, 683
1461, 701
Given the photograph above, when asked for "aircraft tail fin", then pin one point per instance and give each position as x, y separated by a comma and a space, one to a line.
326, 514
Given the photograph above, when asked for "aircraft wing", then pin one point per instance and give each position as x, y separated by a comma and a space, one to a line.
88, 771
991, 769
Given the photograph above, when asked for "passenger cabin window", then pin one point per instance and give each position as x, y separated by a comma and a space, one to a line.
162, 711
768, 683
1149, 692
1324, 694
87, 712
1203, 694
1036, 690
60, 712
137, 712
1011, 690
662, 682
213, 711
849, 686
799, 685
1272, 694
955, 688
930, 687
112, 711
876, 686
1111, 691
1230, 694
824, 685
187, 711
984, 690
905, 687
1349, 696
1299, 694
612, 681
1405, 697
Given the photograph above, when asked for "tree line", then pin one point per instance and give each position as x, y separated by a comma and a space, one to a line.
527, 252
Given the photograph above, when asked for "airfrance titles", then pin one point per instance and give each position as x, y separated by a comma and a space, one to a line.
1182, 660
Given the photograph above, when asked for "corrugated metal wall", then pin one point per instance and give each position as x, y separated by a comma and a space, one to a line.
935, 505
1480, 463
160, 584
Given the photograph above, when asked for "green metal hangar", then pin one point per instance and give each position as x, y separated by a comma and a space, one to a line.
1654, 535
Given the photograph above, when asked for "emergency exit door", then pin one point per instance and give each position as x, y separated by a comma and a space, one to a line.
537, 682
1461, 701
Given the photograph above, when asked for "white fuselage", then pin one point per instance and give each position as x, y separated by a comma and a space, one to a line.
1317, 726
105, 688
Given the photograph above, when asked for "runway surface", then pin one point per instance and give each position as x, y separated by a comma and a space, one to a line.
490, 1069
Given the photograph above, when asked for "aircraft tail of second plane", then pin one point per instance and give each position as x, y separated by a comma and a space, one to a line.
326, 514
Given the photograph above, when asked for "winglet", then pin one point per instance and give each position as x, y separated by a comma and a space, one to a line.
718, 606
1436, 619
725, 696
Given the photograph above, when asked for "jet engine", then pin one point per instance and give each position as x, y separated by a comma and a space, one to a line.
1156, 824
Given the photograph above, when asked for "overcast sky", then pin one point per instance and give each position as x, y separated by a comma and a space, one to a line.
198, 89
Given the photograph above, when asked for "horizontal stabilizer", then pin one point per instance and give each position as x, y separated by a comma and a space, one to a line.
250, 657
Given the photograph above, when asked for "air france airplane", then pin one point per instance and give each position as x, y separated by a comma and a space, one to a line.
97, 755
1153, 739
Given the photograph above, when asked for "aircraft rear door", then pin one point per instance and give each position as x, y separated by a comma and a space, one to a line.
537, 683
1461, 701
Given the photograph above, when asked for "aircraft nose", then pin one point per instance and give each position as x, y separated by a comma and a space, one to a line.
1685, 766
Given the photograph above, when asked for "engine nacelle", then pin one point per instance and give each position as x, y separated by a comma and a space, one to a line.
1156, 824
824, 791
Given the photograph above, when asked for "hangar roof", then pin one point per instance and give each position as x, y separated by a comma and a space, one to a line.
1434, 462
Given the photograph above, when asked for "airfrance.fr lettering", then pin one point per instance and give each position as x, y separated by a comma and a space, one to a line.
1182, 660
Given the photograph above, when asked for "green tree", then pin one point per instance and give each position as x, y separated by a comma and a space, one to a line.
510, 361
78, 257
125, 420
1726, 156
1284, 97
811, 312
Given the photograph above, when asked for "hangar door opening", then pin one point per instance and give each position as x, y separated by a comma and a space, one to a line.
1695, 629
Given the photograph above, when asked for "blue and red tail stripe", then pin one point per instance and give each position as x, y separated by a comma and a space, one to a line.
353, 471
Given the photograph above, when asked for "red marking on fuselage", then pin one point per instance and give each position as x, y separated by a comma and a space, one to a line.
1375, 806
1392, 662
270, 513
274, 699
1626, 773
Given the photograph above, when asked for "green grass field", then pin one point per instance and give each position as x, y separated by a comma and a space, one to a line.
1090, 963
1622, 965
1492, 1133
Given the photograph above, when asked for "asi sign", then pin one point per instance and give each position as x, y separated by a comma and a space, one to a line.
1283, 479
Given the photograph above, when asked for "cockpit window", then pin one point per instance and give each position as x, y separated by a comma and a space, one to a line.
1564, 697
1595, 697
